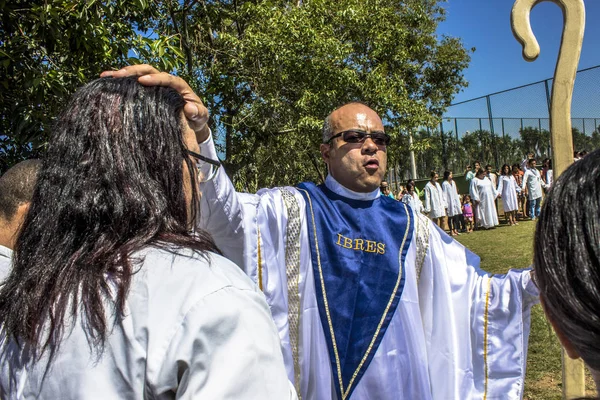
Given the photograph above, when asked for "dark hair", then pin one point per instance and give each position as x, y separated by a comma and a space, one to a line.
567, 256
447, 174
517, 166
464, 200
16, 186
410, 183
480, 171
509, 170
111, 184
530, 161
433, 173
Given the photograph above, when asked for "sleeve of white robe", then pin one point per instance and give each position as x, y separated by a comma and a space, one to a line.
473, 191
232, 354
233, 219
223, 212
427, 203
446, 193
476, 325
500, 185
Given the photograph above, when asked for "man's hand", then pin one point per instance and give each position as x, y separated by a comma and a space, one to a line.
195, 112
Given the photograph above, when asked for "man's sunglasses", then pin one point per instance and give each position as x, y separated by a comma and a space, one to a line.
354, 136
207, 168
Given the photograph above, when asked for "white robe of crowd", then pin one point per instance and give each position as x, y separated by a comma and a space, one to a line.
5, 261
457, 333
507, 189
483, 191
451, 198
413, 201
435, 204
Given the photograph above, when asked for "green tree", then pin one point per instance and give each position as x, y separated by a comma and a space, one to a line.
535, 141
270, 71
48, 48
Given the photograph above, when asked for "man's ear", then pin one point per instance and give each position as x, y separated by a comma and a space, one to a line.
564, 340
325, 149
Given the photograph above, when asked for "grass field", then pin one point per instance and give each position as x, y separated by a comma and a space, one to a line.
509, 247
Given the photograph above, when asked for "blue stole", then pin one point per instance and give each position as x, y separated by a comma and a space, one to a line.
358, 251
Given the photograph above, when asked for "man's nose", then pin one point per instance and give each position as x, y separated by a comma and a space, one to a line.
369, 146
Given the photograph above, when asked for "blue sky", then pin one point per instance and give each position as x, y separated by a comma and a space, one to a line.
497, 63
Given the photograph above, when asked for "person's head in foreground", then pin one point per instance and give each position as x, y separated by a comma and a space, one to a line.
355, 147
116, 177
16, 186
567, 260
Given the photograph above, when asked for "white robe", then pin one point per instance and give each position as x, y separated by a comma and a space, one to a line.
435, 204
191, 331
5, 261
451, 198
532, 181
484, 192
457, 333
414, 201
507, 188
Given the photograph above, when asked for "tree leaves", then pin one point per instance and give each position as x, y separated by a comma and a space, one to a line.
269, 70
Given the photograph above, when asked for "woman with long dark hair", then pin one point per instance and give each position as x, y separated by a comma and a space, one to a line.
507, 189
484, 194
112, 293
412, 198
453, 208
567, 260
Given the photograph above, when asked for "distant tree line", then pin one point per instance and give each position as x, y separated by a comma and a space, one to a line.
480, 145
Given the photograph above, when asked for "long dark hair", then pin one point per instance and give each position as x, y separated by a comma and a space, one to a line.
509, 170
111, 183
567, 256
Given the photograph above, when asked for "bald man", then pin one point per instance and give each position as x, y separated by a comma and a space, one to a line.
16, 191
371, 300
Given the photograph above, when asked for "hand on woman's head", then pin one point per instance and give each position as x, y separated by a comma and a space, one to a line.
194, 110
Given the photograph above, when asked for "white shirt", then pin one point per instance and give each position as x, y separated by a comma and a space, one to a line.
413, 201
5, 261
435, 203
533, 182
446, 340
192, 330
451, 198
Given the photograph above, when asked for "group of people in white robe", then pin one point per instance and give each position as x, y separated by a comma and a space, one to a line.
485, 187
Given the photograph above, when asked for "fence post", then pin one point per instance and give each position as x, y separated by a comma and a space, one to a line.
444, 150
547, 95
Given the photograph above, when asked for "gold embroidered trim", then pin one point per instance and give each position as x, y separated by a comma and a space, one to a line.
485, 336
326, 303
292, 268
259, 259
422, 242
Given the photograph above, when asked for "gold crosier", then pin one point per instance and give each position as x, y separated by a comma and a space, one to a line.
560, 117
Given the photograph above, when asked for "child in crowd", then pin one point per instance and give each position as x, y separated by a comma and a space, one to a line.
467, 209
